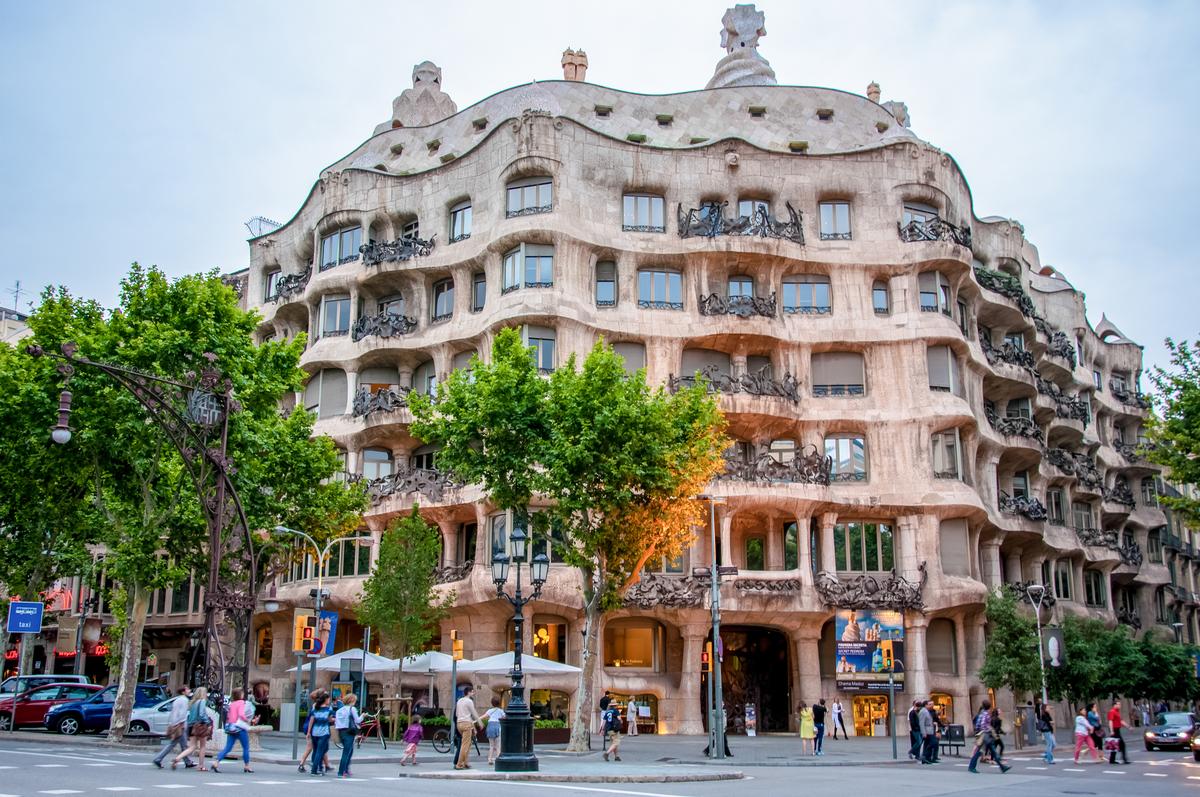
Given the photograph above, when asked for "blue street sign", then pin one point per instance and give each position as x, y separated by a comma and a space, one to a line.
25, 617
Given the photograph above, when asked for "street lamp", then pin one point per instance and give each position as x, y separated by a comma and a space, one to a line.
716, 700
1036, 594
516, 728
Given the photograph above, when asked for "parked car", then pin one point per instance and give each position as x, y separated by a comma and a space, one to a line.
32, 705
153, 719
1174, 730
95, 713
23, 683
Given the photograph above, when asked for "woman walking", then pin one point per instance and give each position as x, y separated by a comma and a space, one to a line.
319, 720
492, 729
308, 747
1083, 736
1093, 718
1046, 726
347, 721
199, 728
237, 729
808, 730
413, 735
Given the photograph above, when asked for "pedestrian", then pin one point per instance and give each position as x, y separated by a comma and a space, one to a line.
320, 717
308, 743
176, 729
837, 719
1115, 723
605, 699
413, 735
492, 729
347, 721
1093, 718
1083, 736
818, 712
928, 729
237, 729
199, 728
998, 730
915, 741
466, 719
631, 718
1046, 727
985, 741
611, 723
807, 730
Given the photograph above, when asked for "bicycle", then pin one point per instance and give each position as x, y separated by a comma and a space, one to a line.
441, 741
371, 726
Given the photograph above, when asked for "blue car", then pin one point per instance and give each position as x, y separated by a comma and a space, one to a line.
95, 713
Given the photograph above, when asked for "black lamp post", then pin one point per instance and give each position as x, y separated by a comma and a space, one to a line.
516, 729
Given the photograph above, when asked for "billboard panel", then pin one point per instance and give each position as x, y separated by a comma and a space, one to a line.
870, 643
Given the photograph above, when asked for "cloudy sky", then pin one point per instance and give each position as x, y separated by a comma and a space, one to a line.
151, 131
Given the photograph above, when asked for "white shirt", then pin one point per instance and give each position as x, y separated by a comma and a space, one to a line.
837, 709
341, 720
179, 710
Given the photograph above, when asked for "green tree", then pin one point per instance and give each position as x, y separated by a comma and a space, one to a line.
399, 599
1010, 657
1175, 432
1168, 673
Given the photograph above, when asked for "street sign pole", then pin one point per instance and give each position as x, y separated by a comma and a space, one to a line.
296, 727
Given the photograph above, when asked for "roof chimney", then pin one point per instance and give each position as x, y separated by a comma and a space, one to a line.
873, 92
574, 64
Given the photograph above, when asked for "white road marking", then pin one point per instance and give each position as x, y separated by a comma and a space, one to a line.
51, 766
173, 786
1068, 769
271, 782
1150, 774
86, 759
99, 765
222, 783
1107, 771
390, 777
119, 788
528, 785
61, 791
1025, 767
7, 767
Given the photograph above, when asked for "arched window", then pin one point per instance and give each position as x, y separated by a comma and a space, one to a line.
550, 637
941, 646
634, 643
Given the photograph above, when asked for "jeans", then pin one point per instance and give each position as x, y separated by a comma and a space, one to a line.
1112, 757
169, 744
820, 737
320, 749
988, 745
1051, 743
914, 746
240, 735
348, 739
929, 748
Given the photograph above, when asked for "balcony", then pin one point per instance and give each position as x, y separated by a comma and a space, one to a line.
448, 574
1074, 409
1006, 353
1120, 494
807, 466
710, 221
1080, 466
838, 391
1020, 590
869, 591
335, 263
1129, 617
290, 285
1060, 346
934, 230
385, 399
1016, 426
759, 383
1122, 394
429, 482
397, 251
1023, 505
384, 325
740, 306
1007, 286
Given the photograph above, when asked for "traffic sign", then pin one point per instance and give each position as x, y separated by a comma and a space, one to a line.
25, 617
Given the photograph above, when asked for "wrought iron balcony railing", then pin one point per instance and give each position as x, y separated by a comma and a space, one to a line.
290, 285
384, 325
758, 383
934, 230
339, 262
869, 591
808, 466
1129, 398
710, 221
429, 482
825, 391
647, 304
1061, 346
1024, 505
741, 306
1020, 590
1129, 617
397, 251
1007, 286
1072, 408
383, 400
533, 210
1127, 451
643, 228
1016, 426
1006, 353
448, 574
1120, 494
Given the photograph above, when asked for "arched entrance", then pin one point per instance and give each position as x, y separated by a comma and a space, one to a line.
754, 672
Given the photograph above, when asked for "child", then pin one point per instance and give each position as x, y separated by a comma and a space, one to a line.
494, 715
413, 735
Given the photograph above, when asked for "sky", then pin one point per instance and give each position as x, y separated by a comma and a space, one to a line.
152, 131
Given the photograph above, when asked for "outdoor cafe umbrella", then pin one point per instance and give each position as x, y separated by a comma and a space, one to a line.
502, 663
371, 664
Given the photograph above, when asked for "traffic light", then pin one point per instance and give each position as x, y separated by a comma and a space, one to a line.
456, 645
706, 658
304, 631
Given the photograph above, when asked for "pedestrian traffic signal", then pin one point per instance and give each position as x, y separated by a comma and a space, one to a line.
456, 646
304, 631
706, 658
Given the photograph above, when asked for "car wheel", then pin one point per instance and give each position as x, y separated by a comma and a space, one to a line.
69, 725
137, 726
5, 722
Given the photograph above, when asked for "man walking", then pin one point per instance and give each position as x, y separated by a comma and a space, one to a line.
915, 739
818, 713
176, 729
837, 719
928, 729
1115, 723
985, 740
466, 719
611, 719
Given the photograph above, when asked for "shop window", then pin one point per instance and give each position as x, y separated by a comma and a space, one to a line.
863, 547
550, 639
633, 643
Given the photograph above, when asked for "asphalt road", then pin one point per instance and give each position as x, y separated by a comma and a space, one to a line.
27, 770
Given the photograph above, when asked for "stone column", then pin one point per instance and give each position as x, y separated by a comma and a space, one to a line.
351, 390
804, 549
774, 551
828, 520
737, 364
808, 658
962, 711
989, 563
906, 549
1033, 569
450, 553
353, 458
1012, 562
726, 539
916, 664
688, 716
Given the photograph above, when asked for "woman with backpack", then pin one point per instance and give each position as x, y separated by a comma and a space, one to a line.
237, 729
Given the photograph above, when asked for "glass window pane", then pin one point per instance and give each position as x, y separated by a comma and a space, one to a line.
605, 292
499, 535
514, 200
656, 211
821, 295
789, 294
871, 542
856, 546
676, 286
827, 218
630, 215
660, 285
645, 288
754, 554
791, 547
843, 217
839, 547
886, 547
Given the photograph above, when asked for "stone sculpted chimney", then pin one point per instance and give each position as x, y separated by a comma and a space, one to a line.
742, 65
574, 65
423, 104
873, 93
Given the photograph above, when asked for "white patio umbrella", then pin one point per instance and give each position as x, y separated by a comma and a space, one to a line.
431, 663
501, 663
372, 664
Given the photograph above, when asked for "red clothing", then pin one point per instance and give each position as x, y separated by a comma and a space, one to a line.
1114, 718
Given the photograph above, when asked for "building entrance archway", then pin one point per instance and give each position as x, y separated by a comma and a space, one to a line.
754, 673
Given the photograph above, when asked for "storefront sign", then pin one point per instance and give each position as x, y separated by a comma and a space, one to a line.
870, 646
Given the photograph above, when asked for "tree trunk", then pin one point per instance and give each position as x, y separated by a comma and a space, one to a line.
136, 608
581, 724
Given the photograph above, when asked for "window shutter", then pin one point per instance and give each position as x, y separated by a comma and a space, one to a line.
940, 646
696, 359
938, 360
633, 353
837, 368
953, 544
462, 360
378, 376
333, 392
927, 281
542, 333
757, 363
539, 250
606, 270
312, 393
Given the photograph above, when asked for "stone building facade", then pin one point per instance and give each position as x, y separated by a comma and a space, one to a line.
922, 412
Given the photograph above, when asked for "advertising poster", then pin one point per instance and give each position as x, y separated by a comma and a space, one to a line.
326, 634
1054, 646
870, 642
751, 720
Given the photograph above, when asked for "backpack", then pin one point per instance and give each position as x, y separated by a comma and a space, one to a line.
612, 721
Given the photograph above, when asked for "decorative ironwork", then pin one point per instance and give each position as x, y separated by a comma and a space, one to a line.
934, 230
741, 306
384, 325
835, 236
643, 228
530, 211
1127, 397
710, 221
437, 319
429, 482
398, 251
649, 305
868, 592
239, 283
1120, 493
1008, 286
1129, 617
824, 391
1007, 353
456, 238
1016, 426
1024, 505
507, 289
290, 285
808, 466
758, 383
655, 590
1061, 346
769, 586
1130, 553
1071, 408
1020, 590
539, 284
386, 399
448, 574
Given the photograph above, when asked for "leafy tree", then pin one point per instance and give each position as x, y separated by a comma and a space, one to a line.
399, 599
1176, 431
1010, 657
1169, 671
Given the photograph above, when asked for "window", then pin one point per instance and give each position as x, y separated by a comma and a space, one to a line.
335, 316
1098, 381
741, 286
922, 214
1062, 579
1020, 484
953, 542
1149, 493
466, 538
1093, 588
838, 374
478, 291
1016, 340
325, 393
941, 647
880, 299
633, 643
1046, 575
1081, 514
755, 554
1160, 605
660, 290
1079, 348
643, 213
944, 374
807, 294
460, 222
1054, 506
835, 221
391, 305
271, 283
425, 378
411, 231
550, 639
934, 291
946, 464
539, 265
541, 343
531, 195
655, 564
349, 558
1154, 549
863, 547
512, 271
443, 299
782, 451
791, 546
704, 360
376, 463
747, 208
634, 355
849, 455
1120, 382
424, 458
606, 284
1019, 408
963, 317
462, 360
180, 594
499, 536
340, 247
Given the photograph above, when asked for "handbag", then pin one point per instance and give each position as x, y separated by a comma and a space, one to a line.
1112, 744
175, 731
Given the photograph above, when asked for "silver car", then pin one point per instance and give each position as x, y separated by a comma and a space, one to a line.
153, 721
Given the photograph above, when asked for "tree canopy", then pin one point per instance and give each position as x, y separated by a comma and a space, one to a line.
1175, 431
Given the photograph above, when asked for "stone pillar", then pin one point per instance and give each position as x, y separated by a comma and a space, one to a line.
804, 549
353, 459
726, 539
828, 520
962, 712
774, 551
808, 658
406, 376
351, 390
737, 364
449, 531
916, 664
1033, 569
989, 563
1012, 563
907, 564
688, 715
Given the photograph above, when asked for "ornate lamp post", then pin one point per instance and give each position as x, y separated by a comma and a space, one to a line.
516, 729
